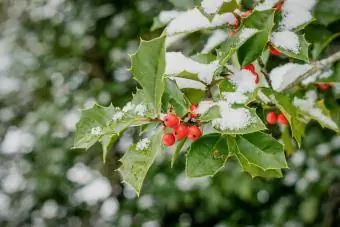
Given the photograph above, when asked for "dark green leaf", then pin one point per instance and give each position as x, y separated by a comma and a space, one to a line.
148, 65
176, 98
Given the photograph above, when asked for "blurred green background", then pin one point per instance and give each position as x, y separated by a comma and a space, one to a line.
59, 56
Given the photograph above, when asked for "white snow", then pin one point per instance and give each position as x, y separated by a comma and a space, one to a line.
296, 13
243, 80
166, 16
128, 107
193, 20
235, 97
267, 4
176, 63
204, 106
118, 116
173, 39
287, 40
96, 131
212, 6
317, 76
232, 119
309, 107
263, 97
140, 110
246, 33
284, 75
143, 144
187, 83
214, 40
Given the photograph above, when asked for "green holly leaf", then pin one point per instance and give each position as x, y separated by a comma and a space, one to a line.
262, 151
256, 171
229, 47
327, 11
204, 58
136, 163
211, 114
107, 142
90, 127
148, 66
176, 98
285, 105
188, 75
303, 50
253, 47
206, 155
194, 95
178, 148
228, 7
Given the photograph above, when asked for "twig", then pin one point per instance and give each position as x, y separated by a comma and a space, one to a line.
316, 66
264, 72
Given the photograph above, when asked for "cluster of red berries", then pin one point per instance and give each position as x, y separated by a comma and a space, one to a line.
180, 131
251, 68
273, 118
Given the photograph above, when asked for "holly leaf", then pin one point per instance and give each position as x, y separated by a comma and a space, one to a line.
253, 47
262, 151
183, 4
90, 126
148, 66
176, 97
285, 105
211, 114
179, 147
302, 54
194, 95
206, 155
136, 163
229, 6
256, 171
107, 142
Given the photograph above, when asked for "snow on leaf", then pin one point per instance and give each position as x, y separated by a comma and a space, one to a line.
216, 38
211, 6
136, 162
318, 76
296, 13
187, 83
308, 106
176, 63
193, 20
243, 80
284, 75
287, 40
246, 33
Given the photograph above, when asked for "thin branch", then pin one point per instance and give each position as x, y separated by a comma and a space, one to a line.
316, 66
264, 72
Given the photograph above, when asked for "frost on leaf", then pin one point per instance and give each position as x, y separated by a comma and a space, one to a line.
287, 40
267, 4
284, 75
318, 76
246, 33
176, 63
193, 20
212, 6
117, 116
140, 110
96, 131
143, 144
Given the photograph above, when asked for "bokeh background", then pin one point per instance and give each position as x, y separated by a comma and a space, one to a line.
59, 56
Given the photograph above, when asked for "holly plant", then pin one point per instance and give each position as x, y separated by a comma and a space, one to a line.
248, 94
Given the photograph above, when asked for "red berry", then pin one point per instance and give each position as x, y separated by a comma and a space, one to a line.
194, 133
271, 118
324, 87
281, 118
278, 6
250, 67
168, 139
181, 132
246, 13
171, 121
193, 109
274, 51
